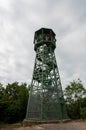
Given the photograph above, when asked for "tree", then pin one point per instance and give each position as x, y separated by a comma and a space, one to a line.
74, 91
74, 94
13, 102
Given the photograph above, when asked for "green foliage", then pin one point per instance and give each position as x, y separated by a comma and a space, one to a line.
74, 91
2, 90
83, 102
14, 98
83, 112
73, 110
75, 97
13, 102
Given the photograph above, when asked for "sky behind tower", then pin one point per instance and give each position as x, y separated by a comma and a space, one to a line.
19, 19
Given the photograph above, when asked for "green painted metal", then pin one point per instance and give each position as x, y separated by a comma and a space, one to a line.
46, 101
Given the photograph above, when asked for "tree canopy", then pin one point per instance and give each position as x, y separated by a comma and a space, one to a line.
74, 91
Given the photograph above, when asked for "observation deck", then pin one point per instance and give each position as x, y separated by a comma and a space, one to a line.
44, 36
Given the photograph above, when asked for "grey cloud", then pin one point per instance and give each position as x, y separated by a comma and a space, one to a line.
18, 22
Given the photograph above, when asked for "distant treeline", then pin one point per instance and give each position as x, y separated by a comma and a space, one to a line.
14, 98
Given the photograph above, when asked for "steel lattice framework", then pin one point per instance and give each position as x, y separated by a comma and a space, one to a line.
46, 101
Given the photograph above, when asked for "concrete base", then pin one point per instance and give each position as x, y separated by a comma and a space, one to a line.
36, 122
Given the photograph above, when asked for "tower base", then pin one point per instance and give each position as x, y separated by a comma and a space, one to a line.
36, 122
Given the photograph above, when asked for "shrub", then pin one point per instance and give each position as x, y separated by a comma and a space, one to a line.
83, 112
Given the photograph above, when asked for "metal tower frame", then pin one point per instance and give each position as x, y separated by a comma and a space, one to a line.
46, 101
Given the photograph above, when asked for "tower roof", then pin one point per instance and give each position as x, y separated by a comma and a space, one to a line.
45, 30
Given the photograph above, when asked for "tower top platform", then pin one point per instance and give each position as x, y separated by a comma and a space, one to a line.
44, 36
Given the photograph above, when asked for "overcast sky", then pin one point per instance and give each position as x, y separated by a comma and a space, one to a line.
19, 19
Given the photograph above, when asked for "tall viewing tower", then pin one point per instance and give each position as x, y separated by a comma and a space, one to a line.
46, 101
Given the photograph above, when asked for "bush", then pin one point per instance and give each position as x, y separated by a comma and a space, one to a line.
83, 112
73, 111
